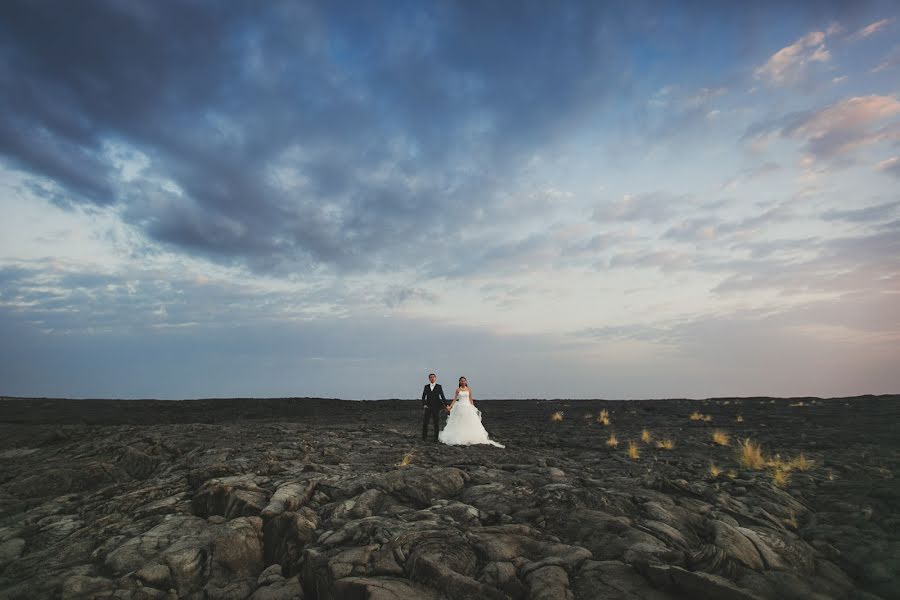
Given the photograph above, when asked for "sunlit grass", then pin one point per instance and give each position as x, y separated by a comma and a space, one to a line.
780, 478
603, 418
750, 455
731, 474
633, 452
665, 444
557, 416
720, 437
778, 464
696, 416
707, 418
613, 441
407, 459
714, 470
801, 463
739, 419
645, 436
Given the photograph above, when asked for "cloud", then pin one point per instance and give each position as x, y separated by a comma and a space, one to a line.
872, 29
835, 131
868, 214
790, 64
711, 228
654, 207
846, 125
891, 61
295, 138
891, 166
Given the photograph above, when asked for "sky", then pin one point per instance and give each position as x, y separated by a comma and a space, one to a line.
554, 199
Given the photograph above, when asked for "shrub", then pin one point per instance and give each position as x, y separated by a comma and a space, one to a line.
750, 455
633, 452
720, 437
780, 478
801, 463
613, 441
603, 419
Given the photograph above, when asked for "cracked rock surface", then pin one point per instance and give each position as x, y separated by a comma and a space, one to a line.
311, 498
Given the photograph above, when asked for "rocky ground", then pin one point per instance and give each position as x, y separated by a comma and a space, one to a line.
301, 498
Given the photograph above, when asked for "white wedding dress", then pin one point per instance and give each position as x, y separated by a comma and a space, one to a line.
464, 425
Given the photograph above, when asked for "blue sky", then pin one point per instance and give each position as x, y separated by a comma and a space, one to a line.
553, 199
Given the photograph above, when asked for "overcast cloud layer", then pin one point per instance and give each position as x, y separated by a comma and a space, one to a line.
555, 200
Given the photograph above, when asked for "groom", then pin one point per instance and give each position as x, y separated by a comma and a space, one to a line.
433, 402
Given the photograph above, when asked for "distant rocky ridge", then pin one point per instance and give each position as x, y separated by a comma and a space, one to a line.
312, 498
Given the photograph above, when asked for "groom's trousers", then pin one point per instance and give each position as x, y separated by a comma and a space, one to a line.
430, 413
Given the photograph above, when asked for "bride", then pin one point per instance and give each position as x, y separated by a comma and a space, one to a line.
464, 423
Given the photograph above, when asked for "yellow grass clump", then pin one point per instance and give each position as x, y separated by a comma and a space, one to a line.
633, 452
556, 417
665, 444
696, 416
750, 455
801, 463
707, 418
714, 470
645, 436
739, 419
603, 419
407, 459
778, 464
613, 441
720, 437
780, 478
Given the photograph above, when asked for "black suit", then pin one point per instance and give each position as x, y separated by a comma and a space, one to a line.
433, 402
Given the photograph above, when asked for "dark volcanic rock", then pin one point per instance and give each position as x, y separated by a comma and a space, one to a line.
303, 498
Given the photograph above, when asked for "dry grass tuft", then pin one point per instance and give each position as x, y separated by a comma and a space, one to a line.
777, 464
645, 436
780, 478
750, 455
407, 459
556, 417
696, 416
613, 441
801, 463
739, 419
603, 419
714, 470
633, 452
707, 418
720, 437
665, 444
731, 474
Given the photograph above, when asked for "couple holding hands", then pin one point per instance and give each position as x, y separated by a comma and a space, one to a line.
463, 426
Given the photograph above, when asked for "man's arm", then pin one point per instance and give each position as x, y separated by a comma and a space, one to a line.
424, 394
441, 391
